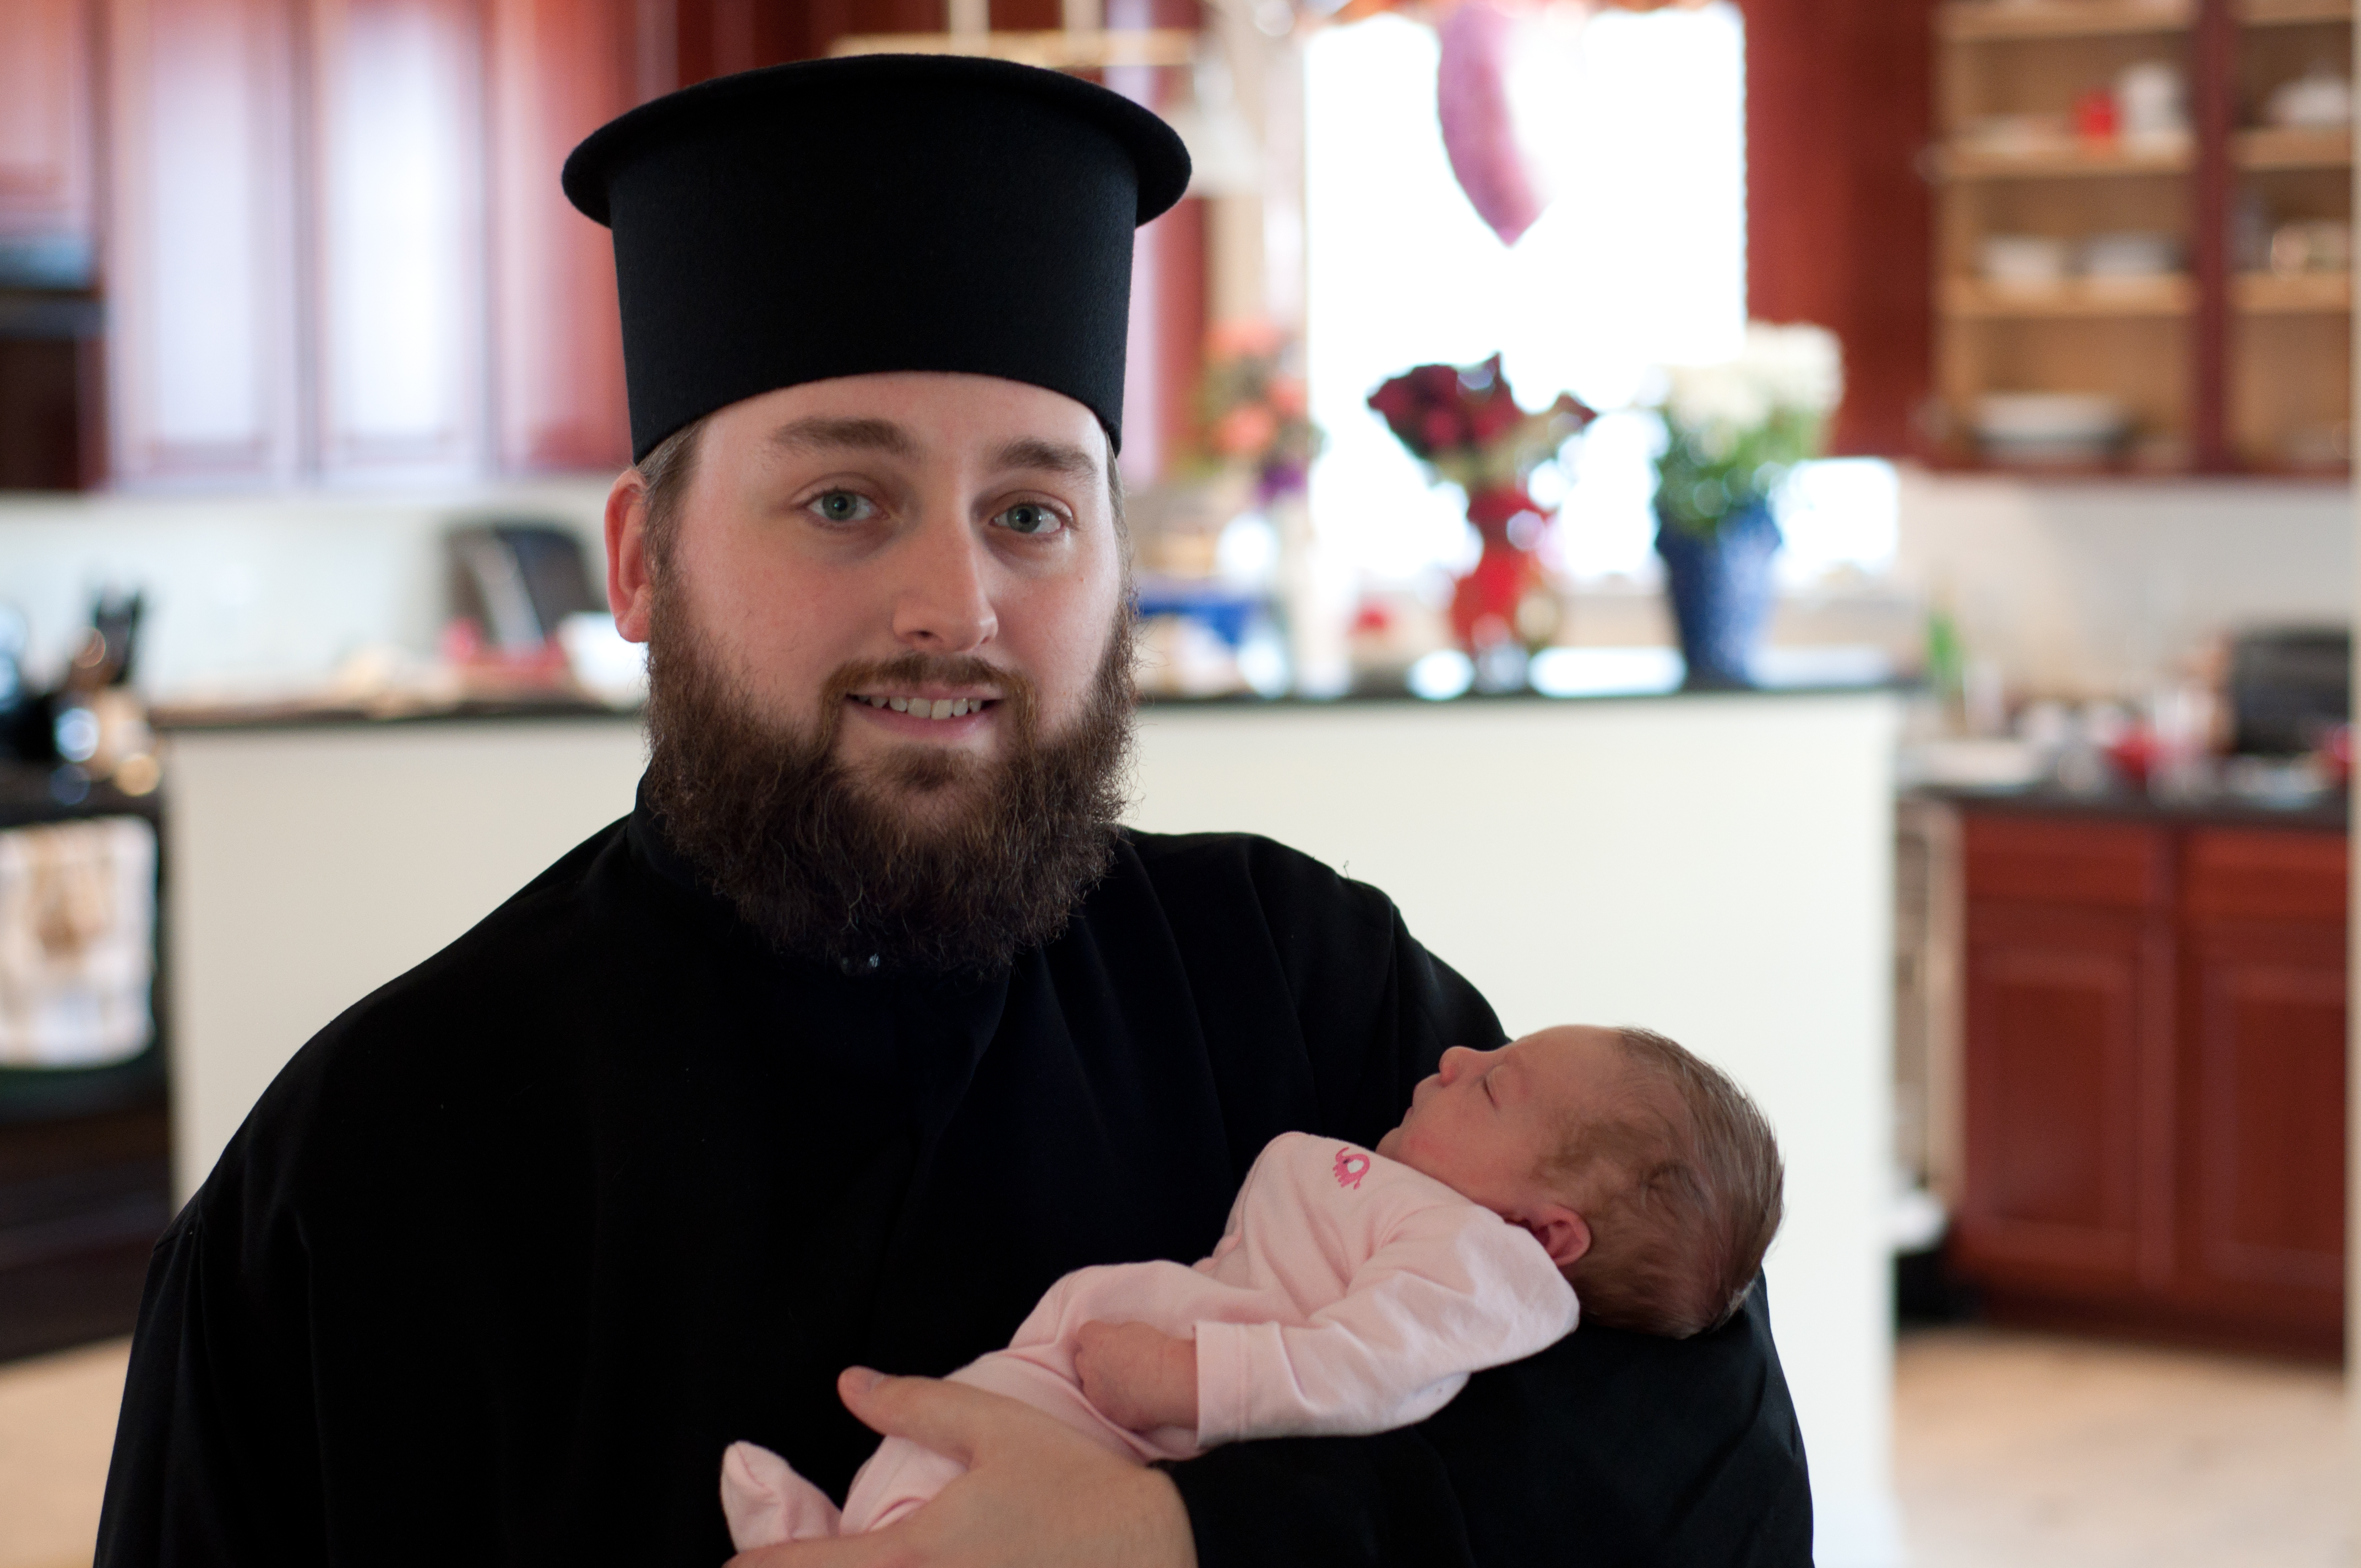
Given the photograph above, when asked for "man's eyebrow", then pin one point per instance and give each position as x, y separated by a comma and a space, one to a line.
821, 433
1050, 456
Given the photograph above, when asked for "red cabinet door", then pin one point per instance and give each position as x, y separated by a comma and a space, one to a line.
395, 242
202, 341
2061, 1194
2068, 1190
46, 128
2263, 1033
559, 70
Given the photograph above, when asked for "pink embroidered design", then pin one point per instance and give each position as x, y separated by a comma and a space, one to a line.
1351, 1166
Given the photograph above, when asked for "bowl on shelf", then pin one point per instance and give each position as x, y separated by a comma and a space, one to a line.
2051, 429
2311, 245
2018, 135
2030, 261
2131, 255
2319, 100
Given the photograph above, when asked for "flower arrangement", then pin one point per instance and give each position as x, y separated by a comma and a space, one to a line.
1467, 426
1252, 409
1734, 430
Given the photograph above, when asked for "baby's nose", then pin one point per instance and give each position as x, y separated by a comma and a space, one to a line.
1455, 1058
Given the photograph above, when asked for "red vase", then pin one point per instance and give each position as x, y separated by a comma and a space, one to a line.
1484, 606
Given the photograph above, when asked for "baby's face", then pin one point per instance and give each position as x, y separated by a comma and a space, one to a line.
1483, 1122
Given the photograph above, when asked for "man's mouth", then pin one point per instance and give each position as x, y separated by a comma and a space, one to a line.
926, 708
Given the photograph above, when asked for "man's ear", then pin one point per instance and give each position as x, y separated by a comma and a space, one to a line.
1563, 1235
627, 590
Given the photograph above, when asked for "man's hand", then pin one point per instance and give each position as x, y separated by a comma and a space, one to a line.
1137, 1376
1035, 1492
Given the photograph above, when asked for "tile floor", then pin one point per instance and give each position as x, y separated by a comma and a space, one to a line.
2023, 1450
2011, 1451
57, 1422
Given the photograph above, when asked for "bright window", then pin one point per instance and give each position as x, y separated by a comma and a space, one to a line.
1640, 262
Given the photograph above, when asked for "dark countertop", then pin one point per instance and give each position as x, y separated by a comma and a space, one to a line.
316, 715
337, 715
35, 792
2332, 813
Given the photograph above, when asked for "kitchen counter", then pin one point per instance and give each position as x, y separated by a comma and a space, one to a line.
1715, 865
330, 715
2333, 811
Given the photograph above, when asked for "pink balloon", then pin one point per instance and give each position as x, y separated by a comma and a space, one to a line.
1478, 130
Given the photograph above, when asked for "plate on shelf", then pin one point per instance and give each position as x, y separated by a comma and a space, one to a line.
2050, 429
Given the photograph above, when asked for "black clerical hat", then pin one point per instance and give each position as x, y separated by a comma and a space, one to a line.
839, 217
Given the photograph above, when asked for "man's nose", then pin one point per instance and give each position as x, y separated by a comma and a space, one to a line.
944, 603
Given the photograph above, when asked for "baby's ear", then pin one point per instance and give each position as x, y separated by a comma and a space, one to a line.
1563, 1235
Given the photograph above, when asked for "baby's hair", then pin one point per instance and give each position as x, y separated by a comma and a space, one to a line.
1691, 1208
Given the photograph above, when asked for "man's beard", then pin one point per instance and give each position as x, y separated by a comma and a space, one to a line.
947, 864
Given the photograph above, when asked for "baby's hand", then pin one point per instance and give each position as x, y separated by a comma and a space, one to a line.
1138, 1377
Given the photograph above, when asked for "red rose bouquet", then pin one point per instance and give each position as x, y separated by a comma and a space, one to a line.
1467, 426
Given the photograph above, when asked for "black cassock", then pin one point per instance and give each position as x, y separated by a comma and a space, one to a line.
510, 1251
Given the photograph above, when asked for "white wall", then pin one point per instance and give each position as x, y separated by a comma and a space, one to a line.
2096, 588
2075, 588
1715, 868
254, 595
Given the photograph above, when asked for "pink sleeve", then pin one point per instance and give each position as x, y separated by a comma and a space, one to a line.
1451, 1290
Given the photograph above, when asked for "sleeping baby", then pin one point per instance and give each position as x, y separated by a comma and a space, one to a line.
1354, 1290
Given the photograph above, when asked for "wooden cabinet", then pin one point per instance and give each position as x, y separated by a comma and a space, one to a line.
203, 304
560, 69
2262, 1014
47, 124
2098, 238
339, 248
335, 247
50, 393
2288, 318
2155, 1078
395, 244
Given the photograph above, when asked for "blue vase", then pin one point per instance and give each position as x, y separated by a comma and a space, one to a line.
1721, 591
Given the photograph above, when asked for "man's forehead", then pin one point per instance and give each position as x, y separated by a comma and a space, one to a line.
915, 415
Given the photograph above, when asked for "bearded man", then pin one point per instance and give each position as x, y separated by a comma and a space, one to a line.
870, 1021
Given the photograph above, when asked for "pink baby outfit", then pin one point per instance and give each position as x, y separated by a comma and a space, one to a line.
1349, 1294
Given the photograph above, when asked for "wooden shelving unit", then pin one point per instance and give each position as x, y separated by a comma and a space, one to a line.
1973, 299
2287, 336
2066, 18
2312, 293
2292, 149
2293, 13
2223, 365
2064, 160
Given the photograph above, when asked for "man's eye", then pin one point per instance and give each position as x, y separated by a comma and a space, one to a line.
844, 506
1027, 518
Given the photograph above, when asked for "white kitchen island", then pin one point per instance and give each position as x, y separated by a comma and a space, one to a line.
1716, 867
